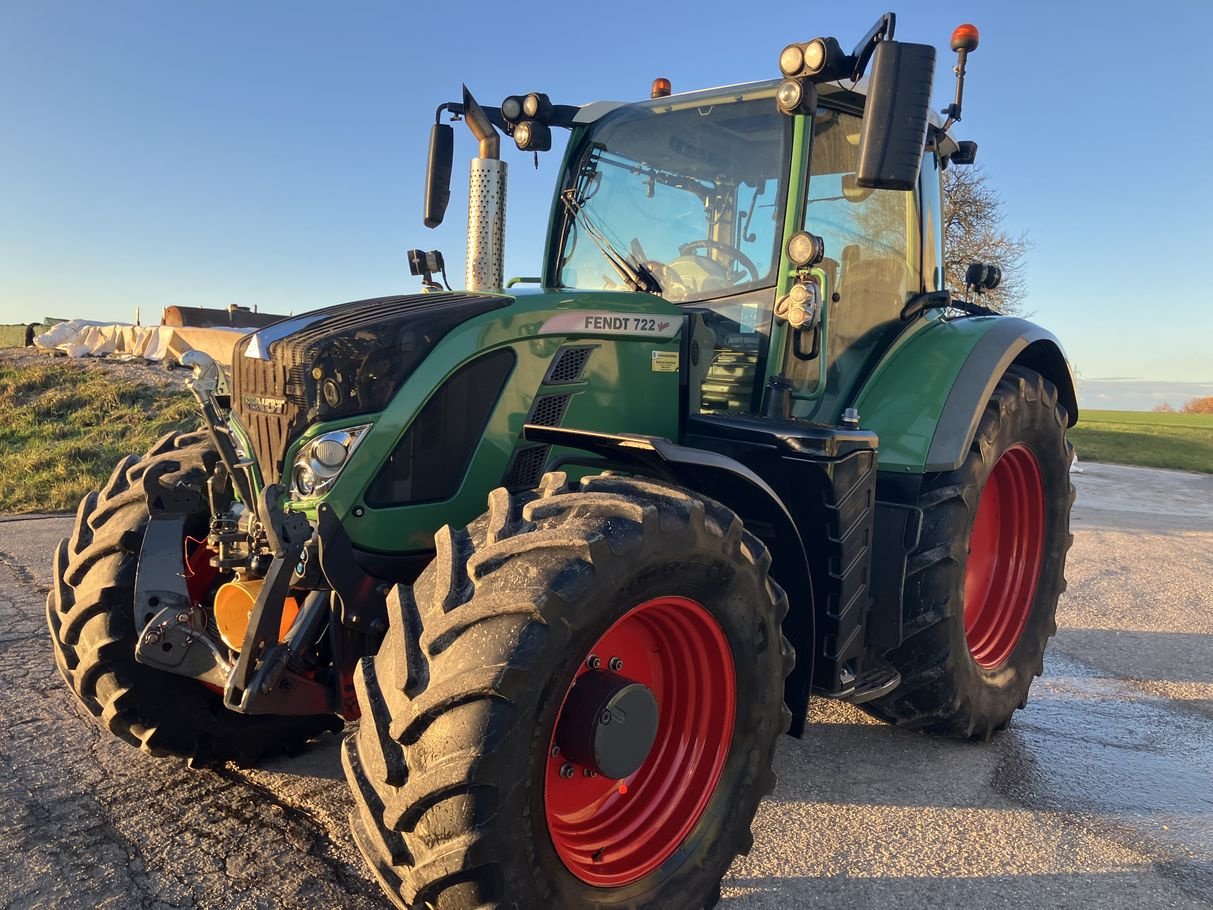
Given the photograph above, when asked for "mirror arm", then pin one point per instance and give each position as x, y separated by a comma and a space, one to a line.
881, 31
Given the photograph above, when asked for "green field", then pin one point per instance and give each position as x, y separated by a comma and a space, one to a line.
1180, 441
64, 426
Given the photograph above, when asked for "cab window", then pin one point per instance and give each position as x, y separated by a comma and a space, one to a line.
873, 264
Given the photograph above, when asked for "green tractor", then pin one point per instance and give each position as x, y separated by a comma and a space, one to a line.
739, 445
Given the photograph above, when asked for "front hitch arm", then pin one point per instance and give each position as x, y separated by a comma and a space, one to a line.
203, 385
261, 683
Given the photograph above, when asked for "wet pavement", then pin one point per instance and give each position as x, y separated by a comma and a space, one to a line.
1099, 795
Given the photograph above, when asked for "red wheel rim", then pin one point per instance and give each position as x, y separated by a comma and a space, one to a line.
612, 832
1006, 549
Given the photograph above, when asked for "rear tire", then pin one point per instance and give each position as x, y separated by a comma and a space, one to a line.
90, 611
453, 769
981, 589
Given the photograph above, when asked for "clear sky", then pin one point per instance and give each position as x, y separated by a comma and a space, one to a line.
272, 153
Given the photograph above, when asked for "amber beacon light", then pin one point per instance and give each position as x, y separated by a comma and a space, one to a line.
965, 37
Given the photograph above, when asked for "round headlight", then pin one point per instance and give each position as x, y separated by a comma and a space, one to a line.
791, 60
511, 108
805, 249
522, 134
814, 56
329, 453
789, 95
799, 295
537, 106
305, 480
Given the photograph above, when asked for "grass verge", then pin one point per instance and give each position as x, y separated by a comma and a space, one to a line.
64, 427
1183, 442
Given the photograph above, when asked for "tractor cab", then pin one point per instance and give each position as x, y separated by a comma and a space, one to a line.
691, 197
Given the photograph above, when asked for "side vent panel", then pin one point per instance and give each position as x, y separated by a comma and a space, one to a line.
568, 365
526, 467
527, 463
548, 410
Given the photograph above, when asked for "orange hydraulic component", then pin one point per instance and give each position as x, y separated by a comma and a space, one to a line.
234, 604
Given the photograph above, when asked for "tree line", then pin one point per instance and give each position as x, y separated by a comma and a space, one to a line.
1194, 406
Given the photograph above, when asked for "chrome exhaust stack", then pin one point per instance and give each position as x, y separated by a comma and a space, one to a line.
486, 203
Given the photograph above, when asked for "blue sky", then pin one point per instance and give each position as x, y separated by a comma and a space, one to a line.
272, 153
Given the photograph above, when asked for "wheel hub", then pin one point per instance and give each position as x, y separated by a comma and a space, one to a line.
608, 724
621, 797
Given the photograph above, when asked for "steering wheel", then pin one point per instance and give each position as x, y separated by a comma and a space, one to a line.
733, 254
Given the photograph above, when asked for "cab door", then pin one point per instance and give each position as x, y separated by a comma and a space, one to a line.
873, 265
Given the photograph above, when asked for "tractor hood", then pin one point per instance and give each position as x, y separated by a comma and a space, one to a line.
335, 363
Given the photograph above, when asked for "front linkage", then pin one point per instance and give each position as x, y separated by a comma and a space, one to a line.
278, 667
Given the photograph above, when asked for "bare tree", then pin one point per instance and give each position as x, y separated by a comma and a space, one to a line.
973, 232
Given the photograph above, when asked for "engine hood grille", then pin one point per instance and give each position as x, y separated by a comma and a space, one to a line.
337, 362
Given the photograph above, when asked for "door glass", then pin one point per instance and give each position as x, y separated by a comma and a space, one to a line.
873, 265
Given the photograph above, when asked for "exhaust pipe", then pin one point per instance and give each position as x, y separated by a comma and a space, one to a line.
486, 203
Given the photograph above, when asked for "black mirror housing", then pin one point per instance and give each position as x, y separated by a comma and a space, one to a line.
895, 117
438, 173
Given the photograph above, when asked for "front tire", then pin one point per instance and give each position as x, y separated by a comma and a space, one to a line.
981, 589
464, 796
90, 612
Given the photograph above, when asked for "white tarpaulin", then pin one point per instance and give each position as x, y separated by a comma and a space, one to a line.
83, 338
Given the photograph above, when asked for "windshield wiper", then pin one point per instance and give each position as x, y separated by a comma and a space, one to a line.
631, 270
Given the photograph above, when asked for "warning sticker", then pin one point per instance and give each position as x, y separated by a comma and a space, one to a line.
665, 362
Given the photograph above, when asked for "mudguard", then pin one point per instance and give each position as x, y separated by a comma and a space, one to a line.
925, 397
729, 482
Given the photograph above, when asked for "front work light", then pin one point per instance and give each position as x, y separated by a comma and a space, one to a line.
821, 59
791, 60
511, 108
537, 106
814, 56
805, 250
532, 136
796, 96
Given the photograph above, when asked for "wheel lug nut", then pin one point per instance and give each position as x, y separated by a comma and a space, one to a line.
593, 662
605, 718
566, 770
590, 772
616, 664
555, 751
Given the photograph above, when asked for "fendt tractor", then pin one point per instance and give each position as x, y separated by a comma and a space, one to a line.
739, 443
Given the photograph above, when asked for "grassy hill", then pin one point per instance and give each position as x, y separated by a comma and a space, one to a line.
65, 424
1180, 441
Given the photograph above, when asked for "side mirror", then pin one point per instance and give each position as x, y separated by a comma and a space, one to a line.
982, 276
895, 117
438, 173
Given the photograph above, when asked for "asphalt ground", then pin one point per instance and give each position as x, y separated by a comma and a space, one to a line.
1099, 795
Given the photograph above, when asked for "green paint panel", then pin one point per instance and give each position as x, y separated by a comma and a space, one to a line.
620, 391
905, 395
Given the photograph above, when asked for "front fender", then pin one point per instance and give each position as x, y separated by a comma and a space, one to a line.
927, 394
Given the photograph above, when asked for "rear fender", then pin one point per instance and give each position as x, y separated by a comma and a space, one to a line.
926, 396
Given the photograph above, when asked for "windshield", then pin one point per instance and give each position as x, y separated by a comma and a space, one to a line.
690, 195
